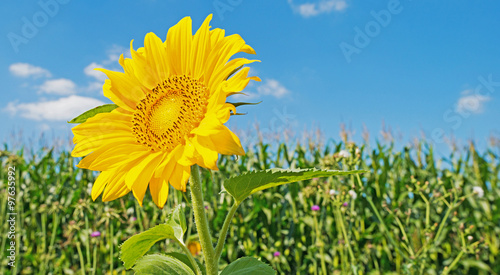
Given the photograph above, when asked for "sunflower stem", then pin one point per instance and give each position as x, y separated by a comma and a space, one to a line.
190, 257
223, 232
201, 221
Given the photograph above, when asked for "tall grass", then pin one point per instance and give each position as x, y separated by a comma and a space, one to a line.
411, 213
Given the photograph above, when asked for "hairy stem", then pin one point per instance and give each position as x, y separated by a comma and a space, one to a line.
223, 232
201, 220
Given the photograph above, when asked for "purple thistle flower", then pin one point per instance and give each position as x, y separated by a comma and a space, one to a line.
206, 207
277, 254
133, 219
95, 234
345, 204
315, 207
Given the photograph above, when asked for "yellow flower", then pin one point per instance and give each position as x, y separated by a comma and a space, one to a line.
194, 247
171, 114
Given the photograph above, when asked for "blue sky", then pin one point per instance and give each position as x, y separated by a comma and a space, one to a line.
429, 67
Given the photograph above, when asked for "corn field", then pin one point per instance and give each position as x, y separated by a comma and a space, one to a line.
411, 213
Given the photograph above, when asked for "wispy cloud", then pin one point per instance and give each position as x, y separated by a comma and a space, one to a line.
61, 86
470, 103
274, 88
111, 62
98, 75
28, 70
62, 109
310, 9
270, 87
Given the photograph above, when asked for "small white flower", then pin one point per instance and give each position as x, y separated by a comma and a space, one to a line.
358, 151
344, 154
470, 238
333, 192
353, 194
478, 190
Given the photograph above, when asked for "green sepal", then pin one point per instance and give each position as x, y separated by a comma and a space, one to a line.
233, 72
106, 108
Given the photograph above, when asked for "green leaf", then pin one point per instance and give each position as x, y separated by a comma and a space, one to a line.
246, 184
106, 108
248, 266
161, 264
177, 221
474, 263
185, 259
136, 246
233, 72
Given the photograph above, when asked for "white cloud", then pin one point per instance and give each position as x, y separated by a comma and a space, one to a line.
62, 109
98, 75
111, 63
244, 97
44, 127
27, 70
310, 9
114, 54
61, 86
471, 103
272, 87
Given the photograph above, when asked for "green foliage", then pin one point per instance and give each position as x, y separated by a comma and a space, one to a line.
185, 259
106, 108
248, 183
161, 265
407, 190
135, 247
248, 266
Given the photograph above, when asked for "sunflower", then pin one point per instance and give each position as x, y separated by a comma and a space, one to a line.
171, 112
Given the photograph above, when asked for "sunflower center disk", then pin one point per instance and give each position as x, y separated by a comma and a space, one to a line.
167, 114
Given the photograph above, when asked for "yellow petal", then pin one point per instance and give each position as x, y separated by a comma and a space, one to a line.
222, 51
103, 123
175, 154
222, 72
239, 81
143, 164
156, 54
111, 156
226, 142
100, 183
180, 176
206, 150
207, 126
142, 69
201, 48
116, 188
159, 191
138, 177
123, 87
178, 44
87, 146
